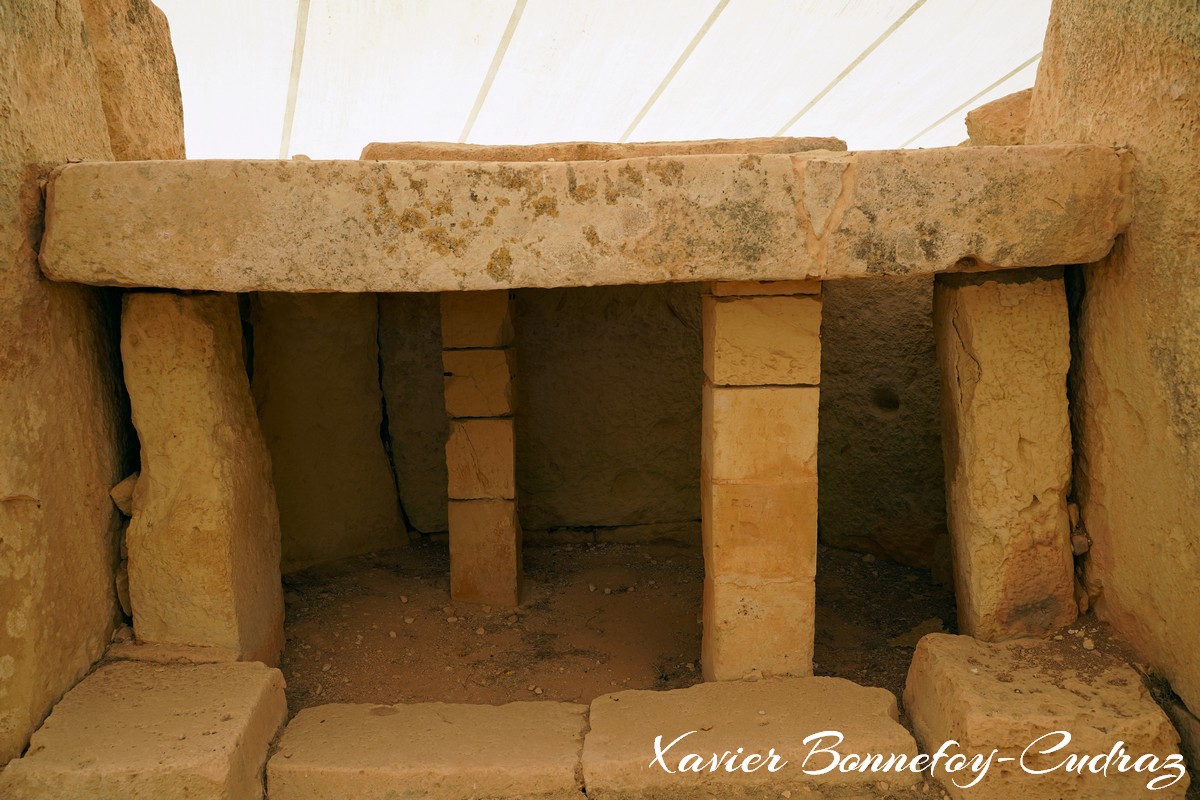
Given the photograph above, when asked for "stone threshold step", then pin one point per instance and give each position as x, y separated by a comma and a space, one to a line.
144, 731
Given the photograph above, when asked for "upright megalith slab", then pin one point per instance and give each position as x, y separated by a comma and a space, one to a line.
1058, 721
140, 730
316, 382
63, 442
204, 537
758, 479
1003, 349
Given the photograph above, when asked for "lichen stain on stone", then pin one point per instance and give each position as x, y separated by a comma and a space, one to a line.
670, 172
546, 204
412, 219
499, 265
929, 238
750, 162
632, 175
688, 236
590, 235
440, 241
441, 208
583, 192
879, 254
417, 185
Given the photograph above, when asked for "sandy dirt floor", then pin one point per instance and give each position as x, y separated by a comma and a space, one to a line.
596, 618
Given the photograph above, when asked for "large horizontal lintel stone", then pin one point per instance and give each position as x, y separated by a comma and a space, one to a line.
593, 151
394, 226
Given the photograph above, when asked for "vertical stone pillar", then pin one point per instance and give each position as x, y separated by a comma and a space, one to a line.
204, 537
485, 536
1003, 348
758, 485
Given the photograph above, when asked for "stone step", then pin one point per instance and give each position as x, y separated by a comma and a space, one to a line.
439, 751
140, 731
1016, 695
771, 729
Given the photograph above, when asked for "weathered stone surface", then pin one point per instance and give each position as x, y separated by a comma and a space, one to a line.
430, 750
485, 552
592, 151
1004, 352
608, 398
760, 341
476, 319
139, 84
761, 530
757, 625
320, 403
478, 382
1000, 122
447, 226
759, 434
122, 494
479, 459
1135, 402
204, 538
134, 730
410, 350
755, 288
61, 409
881, 484
757, 717
1006, 696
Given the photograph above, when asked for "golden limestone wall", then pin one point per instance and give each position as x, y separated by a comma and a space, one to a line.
65, 428
1125, 73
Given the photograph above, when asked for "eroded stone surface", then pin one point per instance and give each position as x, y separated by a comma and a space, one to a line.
430, 750
761, 341
1000, 122
1136, 406
759, 434
320, 403
1005, 696
757, 717
1004, 351
133, 731
593, 151
63, 436
438, 226
139, 84
479, 458
485, 552
203, 542
478, 382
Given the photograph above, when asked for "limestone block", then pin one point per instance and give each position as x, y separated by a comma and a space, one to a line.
456, 226
316, 385
1135, 406
882, 482
440, 751
478, 382
476, 319
761, 530
752, 624
754, 288
122, 495
139, 84
755, 717
133, 731
608, 405
593, 151
1005, 696
759, 434
479, 459
204, 538
759, 341
1000, 122
410, 350
1004, 351
485, 552
63, 423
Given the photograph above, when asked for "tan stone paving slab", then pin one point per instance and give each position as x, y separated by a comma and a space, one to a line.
445, 225
1006, 696
137, 731
619, 749
432, 751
